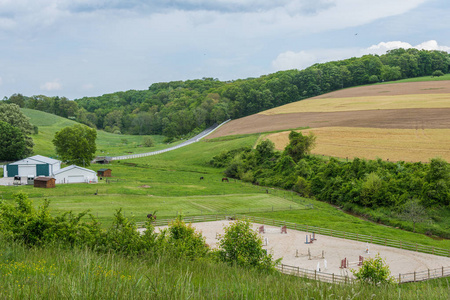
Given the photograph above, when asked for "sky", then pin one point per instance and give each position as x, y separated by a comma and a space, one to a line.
78, 48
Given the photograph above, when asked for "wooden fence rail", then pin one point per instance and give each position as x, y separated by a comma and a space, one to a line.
310, 274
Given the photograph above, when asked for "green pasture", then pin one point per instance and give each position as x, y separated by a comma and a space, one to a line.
136, 207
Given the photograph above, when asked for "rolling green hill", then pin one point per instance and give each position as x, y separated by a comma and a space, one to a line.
108, 144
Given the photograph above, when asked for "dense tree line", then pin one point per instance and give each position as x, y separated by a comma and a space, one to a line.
178, 108
369, 184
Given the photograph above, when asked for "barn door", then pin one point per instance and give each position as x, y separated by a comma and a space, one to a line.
42, 170
13, 170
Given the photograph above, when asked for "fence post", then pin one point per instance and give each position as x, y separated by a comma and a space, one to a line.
428, 273
442, 271
332, 278
315, 274
433, 250
399, 278
414, 276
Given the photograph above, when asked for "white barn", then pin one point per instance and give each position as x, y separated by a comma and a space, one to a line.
75, 174
33, 166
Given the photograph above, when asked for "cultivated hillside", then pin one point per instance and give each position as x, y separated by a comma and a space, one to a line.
402, 121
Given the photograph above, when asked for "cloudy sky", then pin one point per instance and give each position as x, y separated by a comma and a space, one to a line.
77, 48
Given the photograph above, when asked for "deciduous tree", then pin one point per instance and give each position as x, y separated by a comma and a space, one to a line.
11, 113
12, 142
76, 144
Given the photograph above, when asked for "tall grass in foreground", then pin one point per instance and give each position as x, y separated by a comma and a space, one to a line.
56, 273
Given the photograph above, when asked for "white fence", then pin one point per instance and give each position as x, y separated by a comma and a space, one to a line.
185, 143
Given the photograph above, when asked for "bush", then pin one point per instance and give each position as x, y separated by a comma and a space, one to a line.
373, 79
242, 246
437, 73
148, 142
185, 241
374, 271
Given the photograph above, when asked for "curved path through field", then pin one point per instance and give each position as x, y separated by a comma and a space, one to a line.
196, 138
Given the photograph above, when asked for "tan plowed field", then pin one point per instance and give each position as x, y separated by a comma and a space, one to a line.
402, 121
372, 143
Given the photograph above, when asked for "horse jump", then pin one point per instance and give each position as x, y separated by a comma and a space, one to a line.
345, 263
311, 238
283, 229
310, 257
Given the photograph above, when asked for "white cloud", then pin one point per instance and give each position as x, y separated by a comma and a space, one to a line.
382, 47
292, 60
303, 59
51, 85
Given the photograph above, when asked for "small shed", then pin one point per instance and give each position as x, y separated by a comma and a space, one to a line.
104, 173
75, 174
44, 182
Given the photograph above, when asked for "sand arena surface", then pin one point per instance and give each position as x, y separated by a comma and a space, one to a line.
335, 249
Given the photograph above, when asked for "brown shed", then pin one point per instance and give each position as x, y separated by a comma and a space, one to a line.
104, 173
44, 182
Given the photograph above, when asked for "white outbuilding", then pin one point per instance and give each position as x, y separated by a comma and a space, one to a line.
75, 174
33, 166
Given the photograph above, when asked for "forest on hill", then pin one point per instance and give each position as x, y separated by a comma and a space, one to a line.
181, 108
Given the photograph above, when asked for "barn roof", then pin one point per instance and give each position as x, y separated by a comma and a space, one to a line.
36, 159
72, 167
103, 170
43, 178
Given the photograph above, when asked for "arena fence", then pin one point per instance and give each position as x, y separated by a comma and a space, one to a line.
327, 277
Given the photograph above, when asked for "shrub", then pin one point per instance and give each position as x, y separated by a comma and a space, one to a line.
148, 142
242, 246
185, 241
374, 271
437, 73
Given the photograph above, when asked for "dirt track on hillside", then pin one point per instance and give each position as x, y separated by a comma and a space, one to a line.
392, 118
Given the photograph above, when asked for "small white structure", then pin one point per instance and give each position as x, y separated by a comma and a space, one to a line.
75, 174
33, 166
